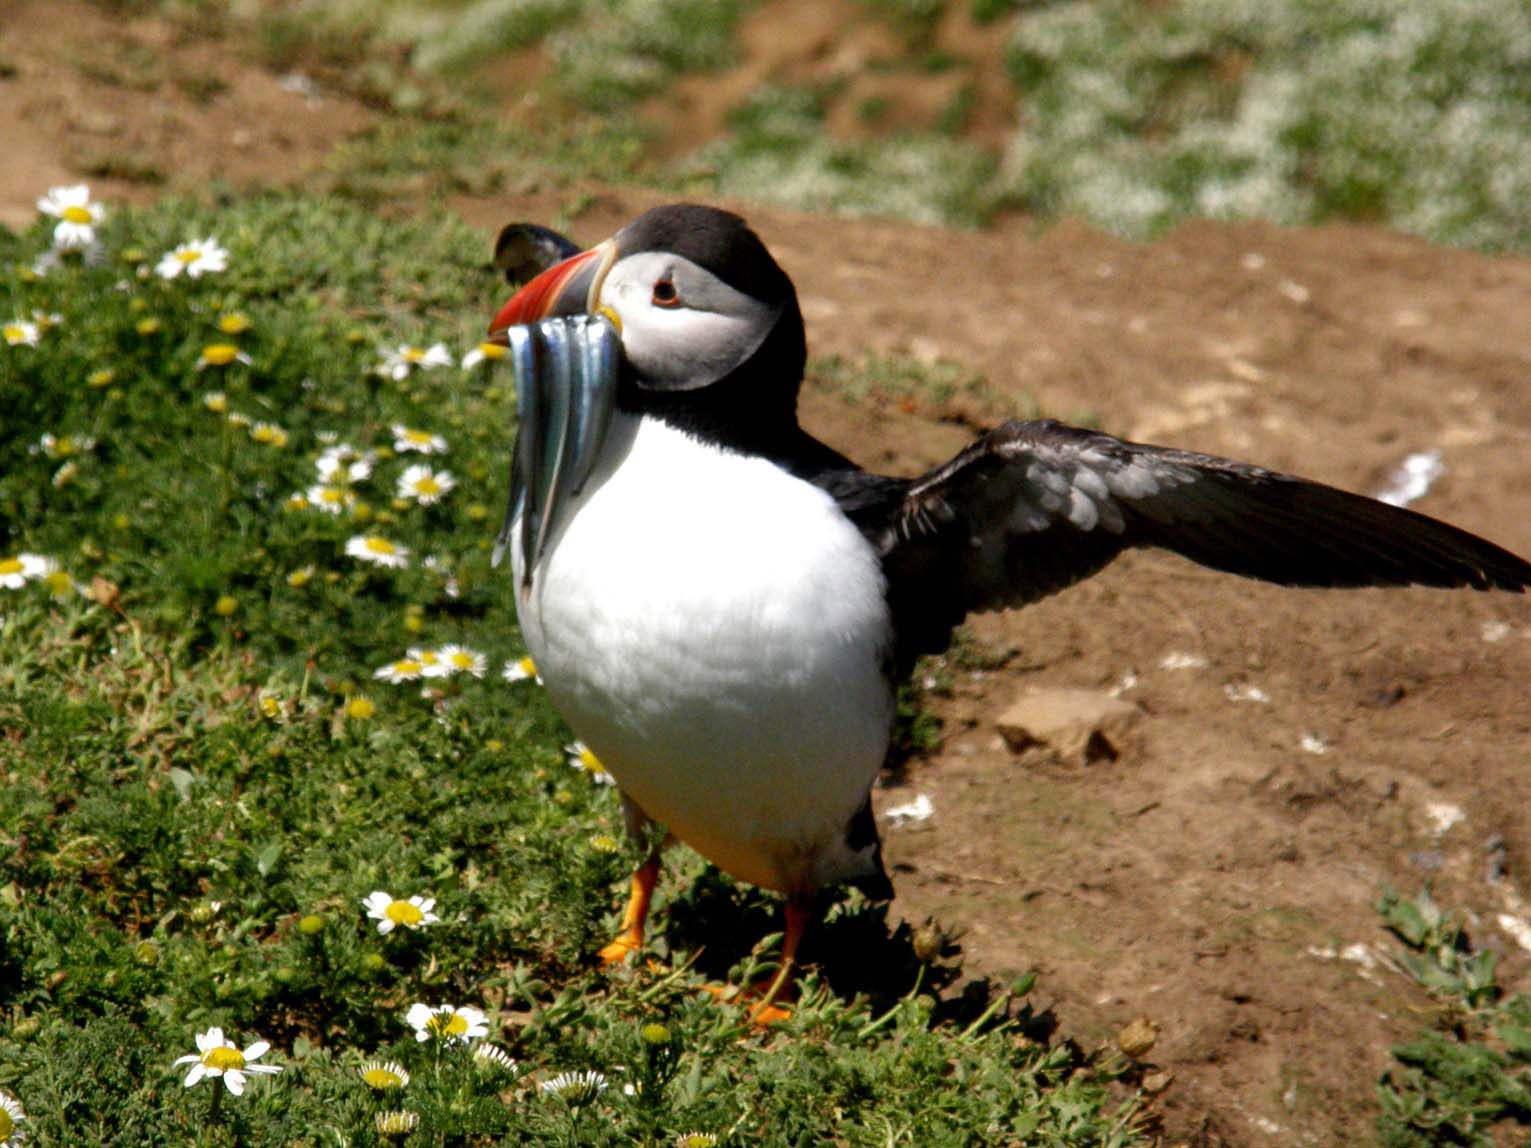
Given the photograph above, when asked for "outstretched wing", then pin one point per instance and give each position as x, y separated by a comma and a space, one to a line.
1033, 507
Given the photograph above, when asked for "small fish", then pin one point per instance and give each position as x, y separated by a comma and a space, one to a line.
566, 386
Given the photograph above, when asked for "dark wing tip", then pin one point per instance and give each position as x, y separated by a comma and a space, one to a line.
522, 251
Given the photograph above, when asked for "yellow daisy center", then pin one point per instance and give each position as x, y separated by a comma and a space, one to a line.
413, 354
360, 708
403, 913
419, 437
428, 658
382, 1078
74, 213
527, 665
408, 666
11, 566
220, 354
100, 378
378, 545
7, 1126
233, 324
332, 495
427, 485
189, 255
13, 333
58, 583
224, 1058
492, 350
447, 1024
462, 661
588, 761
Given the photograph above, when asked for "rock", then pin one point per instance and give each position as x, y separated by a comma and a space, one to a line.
1080, 726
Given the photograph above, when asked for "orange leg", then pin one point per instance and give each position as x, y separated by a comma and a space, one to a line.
799, 917
630, 938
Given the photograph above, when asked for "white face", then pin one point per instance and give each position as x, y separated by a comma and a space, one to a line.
682, 327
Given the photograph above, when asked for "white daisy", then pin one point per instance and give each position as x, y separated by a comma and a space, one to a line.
17, 570
493, 1054
404, 670
330, 499
344, 463
414, 913
581, 758
20, 333
396, 1122
383, 1075
432, 663
375, 548
423, 442
12, 1115
520, 670
216, 1056
576, 1089
484, 353
424, 485
77, 216
62, 446
198, 258
462, 660
406, 359
221, 355
268, 433
445, 1023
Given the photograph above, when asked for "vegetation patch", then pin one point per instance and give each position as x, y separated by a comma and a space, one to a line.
1471, 1073
294, 850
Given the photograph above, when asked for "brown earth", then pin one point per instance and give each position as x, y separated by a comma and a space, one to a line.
1216, 876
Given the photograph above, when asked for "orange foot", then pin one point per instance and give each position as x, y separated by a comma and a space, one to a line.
630, 939
763, 1012
622, 946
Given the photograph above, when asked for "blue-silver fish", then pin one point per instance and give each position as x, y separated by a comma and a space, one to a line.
566, 390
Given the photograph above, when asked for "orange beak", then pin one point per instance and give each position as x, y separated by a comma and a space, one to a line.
571, 288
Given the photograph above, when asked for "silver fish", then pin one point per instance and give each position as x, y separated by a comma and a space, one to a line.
566, 388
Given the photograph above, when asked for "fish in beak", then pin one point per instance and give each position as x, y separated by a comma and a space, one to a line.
565, 359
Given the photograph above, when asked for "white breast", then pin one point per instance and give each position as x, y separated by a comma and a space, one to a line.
715, 630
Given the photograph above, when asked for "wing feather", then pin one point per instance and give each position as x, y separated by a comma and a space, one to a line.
1033, 507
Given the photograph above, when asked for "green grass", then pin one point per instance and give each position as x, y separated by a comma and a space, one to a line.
1133, 116
197, 802
1139, 116
1471, 1073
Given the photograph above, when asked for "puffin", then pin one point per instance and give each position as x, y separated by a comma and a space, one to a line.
723, 607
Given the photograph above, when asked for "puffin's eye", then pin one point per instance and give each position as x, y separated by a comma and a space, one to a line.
665, 294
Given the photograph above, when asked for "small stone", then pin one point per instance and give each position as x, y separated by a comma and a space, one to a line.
1081, 726
1137, 1038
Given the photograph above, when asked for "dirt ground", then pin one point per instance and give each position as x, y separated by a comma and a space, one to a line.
1220, 876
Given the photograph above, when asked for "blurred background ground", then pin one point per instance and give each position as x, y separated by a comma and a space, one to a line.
942, 182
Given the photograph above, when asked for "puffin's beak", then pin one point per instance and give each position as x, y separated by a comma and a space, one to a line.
570, 288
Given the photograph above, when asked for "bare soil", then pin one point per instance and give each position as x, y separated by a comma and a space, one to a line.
1220, 876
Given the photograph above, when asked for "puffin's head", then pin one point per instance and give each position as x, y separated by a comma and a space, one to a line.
696, 298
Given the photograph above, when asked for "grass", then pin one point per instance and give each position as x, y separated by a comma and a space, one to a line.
1139, 116
1470, 1074
1133, 116
204, 777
